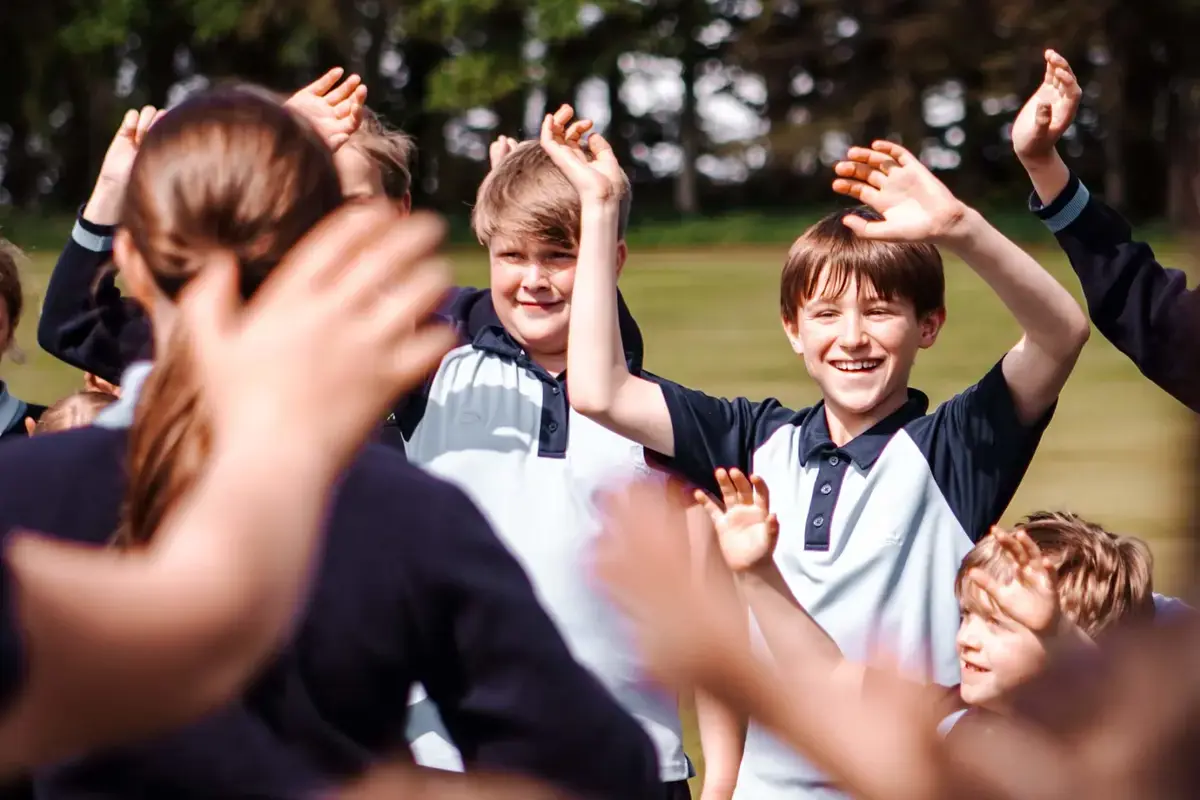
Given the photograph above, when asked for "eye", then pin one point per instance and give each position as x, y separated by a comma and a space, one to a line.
509, 255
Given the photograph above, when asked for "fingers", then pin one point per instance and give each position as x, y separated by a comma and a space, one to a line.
1033, 553
762, 497
398, 251
985, 583
865, 229
209, 303
324, 83
419, 355
562, 116
327, 250
145, 119
714, 511
729, 496
745, 492
856, 170
600, 148
898, 153
864, 193
576, 131
343, 91
129, 125
403, 299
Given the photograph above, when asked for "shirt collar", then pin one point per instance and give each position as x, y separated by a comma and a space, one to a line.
482, 327
12, 410
865, 448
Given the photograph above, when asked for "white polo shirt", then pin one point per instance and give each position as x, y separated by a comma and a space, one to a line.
499, 426
871, 533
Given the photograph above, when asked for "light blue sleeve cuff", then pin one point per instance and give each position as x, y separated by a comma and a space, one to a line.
91, 241
1069, 212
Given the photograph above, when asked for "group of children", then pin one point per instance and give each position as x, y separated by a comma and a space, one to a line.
859, 525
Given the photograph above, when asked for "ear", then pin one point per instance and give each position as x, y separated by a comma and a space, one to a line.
134, 270
404, 204
622, 254
791, 329
29, 425
930, 326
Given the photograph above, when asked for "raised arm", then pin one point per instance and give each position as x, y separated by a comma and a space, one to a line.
601, 386
916, 206
1143, 308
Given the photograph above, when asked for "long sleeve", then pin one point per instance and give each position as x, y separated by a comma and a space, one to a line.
85, 321
1143, 308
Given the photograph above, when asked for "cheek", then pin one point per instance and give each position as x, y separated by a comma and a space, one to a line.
505, 278
563, 282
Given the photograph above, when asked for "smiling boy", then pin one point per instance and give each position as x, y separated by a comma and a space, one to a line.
878, 500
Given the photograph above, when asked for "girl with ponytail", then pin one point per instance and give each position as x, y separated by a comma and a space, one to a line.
410, 584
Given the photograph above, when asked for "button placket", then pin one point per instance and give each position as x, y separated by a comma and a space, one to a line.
831, 471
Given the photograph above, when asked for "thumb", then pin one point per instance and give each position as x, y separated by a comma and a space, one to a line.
1041, 118
865, 229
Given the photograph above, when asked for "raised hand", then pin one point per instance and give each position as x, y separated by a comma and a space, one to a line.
334, 110
367, 280
746, 528
598, 179
1048, 113
1029, 596
499, 150
915, 205
644, 562
104, 206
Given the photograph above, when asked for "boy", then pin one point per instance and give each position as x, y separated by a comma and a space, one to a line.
85, 320
1145, 310
1054, 584
495, 420
878, 501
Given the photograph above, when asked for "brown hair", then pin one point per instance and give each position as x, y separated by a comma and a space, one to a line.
390, 150
527, 196
830, 251
1103, 579
227, 170
73, 411
11, 293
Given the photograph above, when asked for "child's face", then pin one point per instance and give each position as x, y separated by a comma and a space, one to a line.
531, 284
859, 347
995, 653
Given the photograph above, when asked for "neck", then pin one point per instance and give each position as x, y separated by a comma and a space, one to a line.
845, 425
554, 363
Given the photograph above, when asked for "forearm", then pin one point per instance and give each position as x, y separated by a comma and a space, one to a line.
722, 740
793, 636
1050, 317
1049, 176
595, 360
104, 205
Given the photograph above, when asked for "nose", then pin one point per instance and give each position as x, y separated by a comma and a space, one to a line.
968, 635
534, 278
852, 333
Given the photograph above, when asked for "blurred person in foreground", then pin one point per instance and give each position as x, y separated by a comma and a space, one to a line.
412, 584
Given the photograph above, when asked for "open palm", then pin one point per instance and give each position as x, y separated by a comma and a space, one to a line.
1048, 114
591, 167
1029, 596
915, 205
746, 528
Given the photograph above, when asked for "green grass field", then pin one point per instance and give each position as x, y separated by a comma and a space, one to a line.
1118, 450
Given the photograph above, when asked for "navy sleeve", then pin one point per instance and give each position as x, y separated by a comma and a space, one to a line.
85, 321
11, 652
509, 691
713, 432
1144, 309
978, 450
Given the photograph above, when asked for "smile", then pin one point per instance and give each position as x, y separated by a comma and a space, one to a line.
967, 666
865, 365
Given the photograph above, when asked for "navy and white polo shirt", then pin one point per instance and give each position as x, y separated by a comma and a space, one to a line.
499, 426
871, 533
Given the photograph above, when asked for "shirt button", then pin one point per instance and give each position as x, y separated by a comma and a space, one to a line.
552, 427
834, 461
826, 489
553, 390
818, 522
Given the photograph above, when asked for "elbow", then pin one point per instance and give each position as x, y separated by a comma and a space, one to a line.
1078, 331
590, 401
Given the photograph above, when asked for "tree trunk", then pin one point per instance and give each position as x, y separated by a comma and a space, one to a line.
686, 189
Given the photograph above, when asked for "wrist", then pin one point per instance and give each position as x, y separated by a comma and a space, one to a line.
104, 205
961, 227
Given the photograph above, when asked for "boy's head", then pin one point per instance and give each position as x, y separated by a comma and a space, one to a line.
528, 216
12, 299
858, 311
1103, 580
375, 162
73, 411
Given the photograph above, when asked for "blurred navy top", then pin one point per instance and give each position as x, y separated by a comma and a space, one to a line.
413, 586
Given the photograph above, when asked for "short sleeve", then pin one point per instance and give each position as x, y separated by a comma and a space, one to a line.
978, 450
712, 432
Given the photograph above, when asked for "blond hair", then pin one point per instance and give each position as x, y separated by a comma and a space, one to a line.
527, 196
390, 150
829, 251
76, 410
1103, 579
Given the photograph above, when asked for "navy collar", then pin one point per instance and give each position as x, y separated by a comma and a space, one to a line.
482, 327
865, 448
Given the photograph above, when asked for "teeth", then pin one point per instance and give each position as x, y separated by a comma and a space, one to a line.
857, 366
